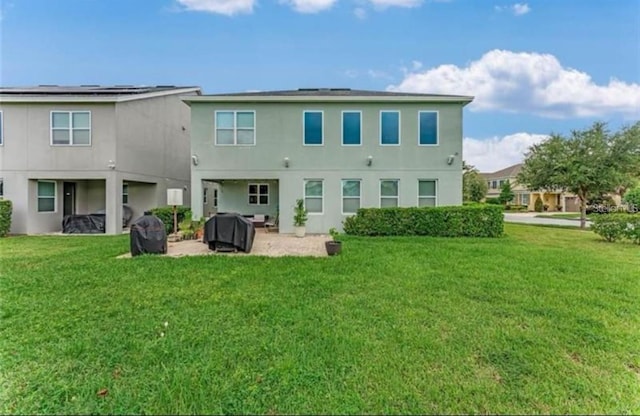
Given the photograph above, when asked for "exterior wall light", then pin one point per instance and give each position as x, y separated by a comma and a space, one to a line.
286, 162
369, 160
111, 165
194, 160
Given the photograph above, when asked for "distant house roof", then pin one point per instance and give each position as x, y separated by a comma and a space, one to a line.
328, 94
89, 93
510, 172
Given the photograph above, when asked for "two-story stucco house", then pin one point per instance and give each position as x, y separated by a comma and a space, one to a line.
87, 149
337, 149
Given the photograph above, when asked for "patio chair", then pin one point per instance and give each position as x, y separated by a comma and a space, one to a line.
272, 225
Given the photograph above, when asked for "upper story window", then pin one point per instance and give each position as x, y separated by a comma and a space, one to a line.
389, 193
428, 128
314, 196
313, 128
258, 194
427, 193
46, 196
1, 129
389, 128
351, 128
71, 128
235, 128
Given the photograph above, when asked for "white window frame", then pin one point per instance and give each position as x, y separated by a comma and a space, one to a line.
235, 128
342, 128
55, 197
437, 128
399, 128
304, 195
522, 196
125, 192
257, 194
342, 196
70, 128
397, 197
435, 197
1, 128
304, 129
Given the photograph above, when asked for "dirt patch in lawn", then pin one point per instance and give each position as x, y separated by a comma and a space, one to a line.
264, 244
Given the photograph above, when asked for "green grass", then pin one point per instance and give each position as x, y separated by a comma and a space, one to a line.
564, 215
543, 320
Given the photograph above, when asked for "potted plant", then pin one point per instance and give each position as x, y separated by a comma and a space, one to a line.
299, 218
333, 246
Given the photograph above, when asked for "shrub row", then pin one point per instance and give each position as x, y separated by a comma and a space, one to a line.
166, 215
458, 221
615, 227
5, 216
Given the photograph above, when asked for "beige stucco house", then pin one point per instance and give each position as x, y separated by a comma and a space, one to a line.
553, 200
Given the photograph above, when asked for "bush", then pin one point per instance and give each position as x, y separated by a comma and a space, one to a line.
458, 221
166, 215
538, 206
5, 216
493, 201
615, 227
632, 199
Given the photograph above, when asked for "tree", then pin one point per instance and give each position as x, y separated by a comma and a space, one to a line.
632, 199
474, 186
588, 163
506, 193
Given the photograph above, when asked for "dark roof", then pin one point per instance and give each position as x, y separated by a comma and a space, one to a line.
510, 172
332, 92
87, 90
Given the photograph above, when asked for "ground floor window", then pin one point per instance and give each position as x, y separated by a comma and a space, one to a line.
204, 196
258, 194
524, 199
46, 196
427, 193
314, 195
350, 196
389, 193
1, 188
125, 193
215, 198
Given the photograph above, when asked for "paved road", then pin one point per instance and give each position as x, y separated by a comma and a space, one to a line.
530, 218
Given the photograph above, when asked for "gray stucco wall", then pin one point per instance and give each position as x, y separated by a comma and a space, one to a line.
147, 139
279, 135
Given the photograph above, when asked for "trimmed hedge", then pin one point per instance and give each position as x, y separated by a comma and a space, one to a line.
5, 216
613, 227
454, 221
166, 215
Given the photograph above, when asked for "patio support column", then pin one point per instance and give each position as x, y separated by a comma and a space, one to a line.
113, 202
196, 198
564, 202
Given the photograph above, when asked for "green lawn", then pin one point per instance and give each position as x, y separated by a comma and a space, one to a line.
543, 320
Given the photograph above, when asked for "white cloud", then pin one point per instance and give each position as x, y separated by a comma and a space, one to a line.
526, 83
360, 13
383, 4
497, 153
517, 9
520, 8
225, 7
309, 6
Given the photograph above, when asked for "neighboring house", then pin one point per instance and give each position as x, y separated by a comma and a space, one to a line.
79, 150
337, 149
554, 200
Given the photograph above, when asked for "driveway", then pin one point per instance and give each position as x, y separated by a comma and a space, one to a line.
530, 218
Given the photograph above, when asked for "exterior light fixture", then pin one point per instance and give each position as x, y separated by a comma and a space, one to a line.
194, 160
111, 165
450, 159
286, 162
369, 160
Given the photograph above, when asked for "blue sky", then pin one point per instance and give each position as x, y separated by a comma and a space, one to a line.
535, 67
